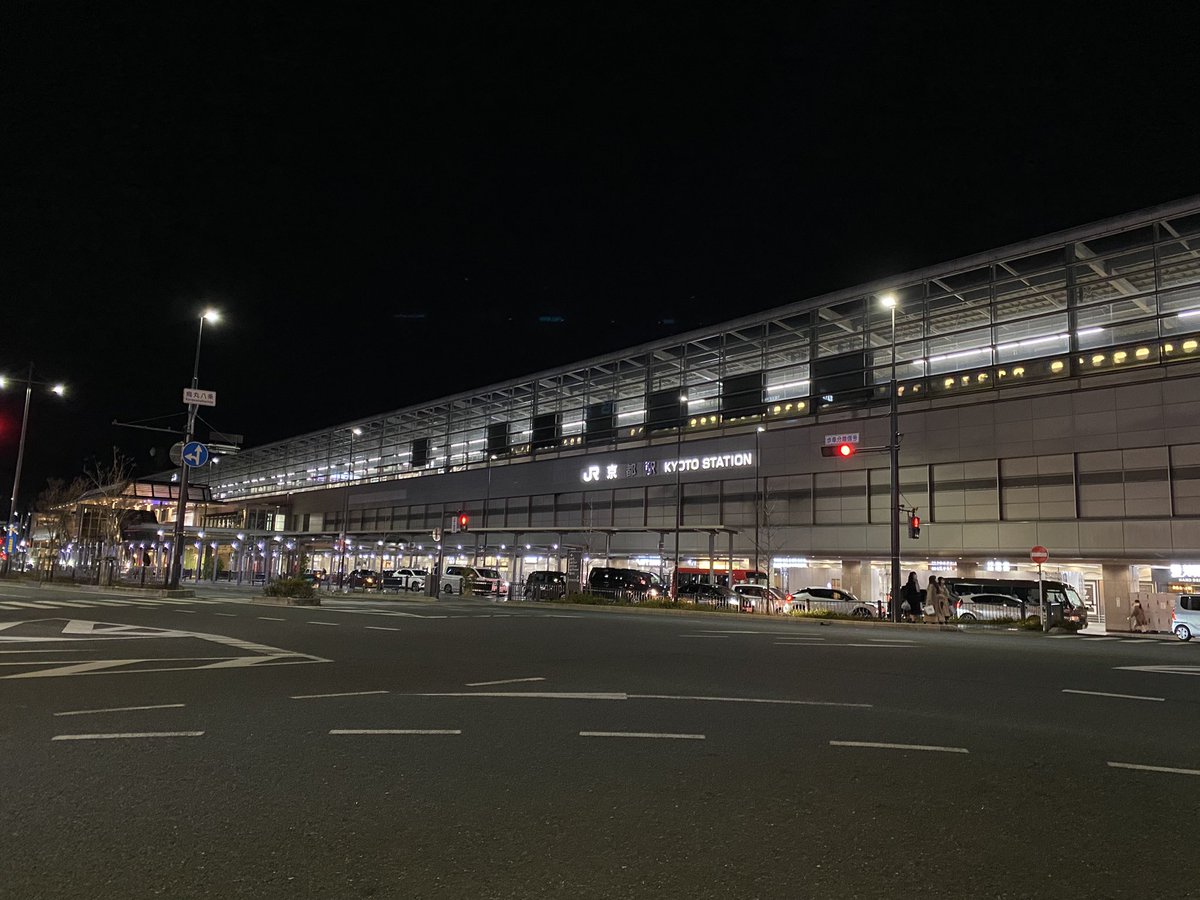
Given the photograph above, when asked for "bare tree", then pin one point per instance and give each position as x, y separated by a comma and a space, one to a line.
56, 509
107, 481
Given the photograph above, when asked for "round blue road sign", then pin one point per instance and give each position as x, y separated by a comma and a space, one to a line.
195, 454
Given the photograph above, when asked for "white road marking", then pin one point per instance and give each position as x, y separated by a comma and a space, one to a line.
720, 636
530, 695
323, 623
380, 628
738, 631
798, 643
1064, 637
882, 746
642, 734
229, 615
272, 619
190, 612
86, 712
749, 700
1168, 769
1100, 639
505, 681
395, 731
1162, 670
131, 734
891, 640
345, 694
1118, 696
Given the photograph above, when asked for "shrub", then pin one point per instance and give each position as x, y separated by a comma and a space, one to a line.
297, 588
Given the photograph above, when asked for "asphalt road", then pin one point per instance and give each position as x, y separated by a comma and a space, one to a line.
474, 749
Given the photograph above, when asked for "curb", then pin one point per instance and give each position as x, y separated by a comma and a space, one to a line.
111, 589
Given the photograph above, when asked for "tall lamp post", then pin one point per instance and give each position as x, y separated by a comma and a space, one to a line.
757, 496
173, 571
889, 301
354, 432
11, 527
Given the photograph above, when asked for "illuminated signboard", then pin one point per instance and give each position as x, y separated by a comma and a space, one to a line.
615, 471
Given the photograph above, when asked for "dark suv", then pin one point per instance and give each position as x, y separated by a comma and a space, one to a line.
625, 584
545, 585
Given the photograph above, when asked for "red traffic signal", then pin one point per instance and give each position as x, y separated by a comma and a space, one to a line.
463, 521
914, 526
843, 450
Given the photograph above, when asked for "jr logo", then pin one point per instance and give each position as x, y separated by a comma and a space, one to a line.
591, 473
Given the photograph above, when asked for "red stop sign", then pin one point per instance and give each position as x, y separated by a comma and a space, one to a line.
1039, 555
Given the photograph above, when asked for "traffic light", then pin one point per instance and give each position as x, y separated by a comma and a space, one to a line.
463, 521
914, 526
841, 450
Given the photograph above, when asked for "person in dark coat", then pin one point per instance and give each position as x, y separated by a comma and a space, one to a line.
912, 595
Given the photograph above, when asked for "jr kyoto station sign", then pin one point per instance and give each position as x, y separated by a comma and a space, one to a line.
675, 465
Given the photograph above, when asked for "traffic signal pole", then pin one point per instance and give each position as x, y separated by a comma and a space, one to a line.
894, 466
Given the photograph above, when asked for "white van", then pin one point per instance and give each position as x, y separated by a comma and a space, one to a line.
1185, 618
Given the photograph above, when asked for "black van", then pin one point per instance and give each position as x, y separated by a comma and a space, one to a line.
625, 584
545, 585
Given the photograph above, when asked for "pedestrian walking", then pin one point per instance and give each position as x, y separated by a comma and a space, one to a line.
1138, 620
942, 601
912, 595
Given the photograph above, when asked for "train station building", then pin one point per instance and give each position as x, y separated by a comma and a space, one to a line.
1049, 394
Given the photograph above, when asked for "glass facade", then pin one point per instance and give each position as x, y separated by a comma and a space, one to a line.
1121, 294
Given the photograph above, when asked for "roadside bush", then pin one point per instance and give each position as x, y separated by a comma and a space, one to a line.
649, 603
296, 588
826, 614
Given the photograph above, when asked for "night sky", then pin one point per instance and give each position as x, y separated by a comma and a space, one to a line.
391, 204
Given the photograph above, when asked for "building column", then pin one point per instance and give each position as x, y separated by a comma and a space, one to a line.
1116, 586
852, 578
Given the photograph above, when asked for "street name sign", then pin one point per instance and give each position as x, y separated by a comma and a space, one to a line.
834, 439
199, 397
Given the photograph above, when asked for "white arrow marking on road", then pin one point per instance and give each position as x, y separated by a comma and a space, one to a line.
87, 712
131, 734
1118, 696
642, 734
881, 746
1167, 769
505, 681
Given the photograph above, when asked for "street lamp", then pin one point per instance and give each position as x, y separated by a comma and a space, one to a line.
11, 529
173, 571
354, 432
757, 502
889, 302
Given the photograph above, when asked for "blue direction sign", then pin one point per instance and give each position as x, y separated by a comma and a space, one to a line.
195, 454
10, 543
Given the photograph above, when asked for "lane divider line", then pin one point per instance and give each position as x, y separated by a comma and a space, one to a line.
272, 619
1140, 768
380, 628
719, 636
130, 734
505, 681
749, 700
323, 623
395, 731
86, 712
883, 746
642, 734
1118, 696
342, 694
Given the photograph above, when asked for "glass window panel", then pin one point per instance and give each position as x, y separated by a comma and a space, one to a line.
960, 351
1031, 338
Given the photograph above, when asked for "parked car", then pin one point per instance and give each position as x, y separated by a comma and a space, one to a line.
314, 576
989, 607
363, 579
483, 581
545, 585
625, 584
712, 595
762, 598
816, 598
1185, 617
404, 580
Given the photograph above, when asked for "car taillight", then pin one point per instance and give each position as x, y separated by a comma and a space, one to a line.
789, 597
958, 604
